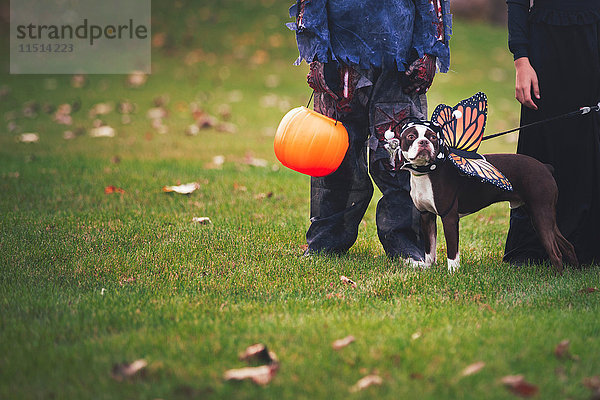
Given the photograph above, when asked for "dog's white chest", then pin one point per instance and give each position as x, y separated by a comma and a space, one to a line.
421, 193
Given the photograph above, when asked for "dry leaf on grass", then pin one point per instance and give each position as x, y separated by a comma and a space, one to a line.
341, 343
588, 290
255, 162
78, 81
186, 188
192, 130
136, 79
228, 127
258, 352
473, 368
63, 114
202, 220
127, 370
69, 135
562, 349
260, 375
113, 189
102, 131
216, 163
365, 382
157, 113
517, 385
29, 138
100, 109
262, 196
347, 281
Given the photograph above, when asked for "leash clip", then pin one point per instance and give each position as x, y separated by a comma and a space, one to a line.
585, 110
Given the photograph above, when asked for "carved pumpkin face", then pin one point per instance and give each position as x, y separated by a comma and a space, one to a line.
310, 143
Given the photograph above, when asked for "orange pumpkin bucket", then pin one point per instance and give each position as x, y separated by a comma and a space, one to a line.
310, 143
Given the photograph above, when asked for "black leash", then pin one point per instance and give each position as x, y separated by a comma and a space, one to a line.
581, 111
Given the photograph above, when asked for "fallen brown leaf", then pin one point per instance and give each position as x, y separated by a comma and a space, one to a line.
157, 113
249, 159
99, 109
125, 370
186, 188
518, 386
588, 290
113, 189
216, 163
341, 343
228, 127
202, 220
348, 281
29, 138
473, 368
261, 196
78, 81
136, 79
365, 382
192, 130
258, 352
562, 349
260, 375
102, 131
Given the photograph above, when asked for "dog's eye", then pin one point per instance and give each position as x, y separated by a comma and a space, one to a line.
411, 136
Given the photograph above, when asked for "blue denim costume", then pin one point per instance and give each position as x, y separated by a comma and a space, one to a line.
378, 33
369, 43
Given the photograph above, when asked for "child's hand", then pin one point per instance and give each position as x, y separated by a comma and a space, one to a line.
420, 74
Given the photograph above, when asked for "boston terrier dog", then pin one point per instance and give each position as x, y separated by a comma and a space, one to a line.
437, 187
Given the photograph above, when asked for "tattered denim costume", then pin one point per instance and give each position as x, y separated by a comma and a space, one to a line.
362, 48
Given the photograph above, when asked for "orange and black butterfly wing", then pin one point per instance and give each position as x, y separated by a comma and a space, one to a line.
477, 166
466, 131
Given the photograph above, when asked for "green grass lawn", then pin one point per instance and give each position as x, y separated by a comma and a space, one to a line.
89, 280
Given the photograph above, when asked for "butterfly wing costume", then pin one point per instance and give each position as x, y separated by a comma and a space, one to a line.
462, 129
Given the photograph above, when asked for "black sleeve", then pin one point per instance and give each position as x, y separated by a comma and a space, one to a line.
518, 30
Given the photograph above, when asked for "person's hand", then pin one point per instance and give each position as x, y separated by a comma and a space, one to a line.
526, 82
420, 74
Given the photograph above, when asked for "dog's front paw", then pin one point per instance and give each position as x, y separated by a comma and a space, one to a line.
454, 265
430, 259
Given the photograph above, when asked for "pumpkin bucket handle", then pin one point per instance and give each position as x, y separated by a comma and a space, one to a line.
311, 98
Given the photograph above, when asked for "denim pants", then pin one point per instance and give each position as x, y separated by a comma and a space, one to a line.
372, 102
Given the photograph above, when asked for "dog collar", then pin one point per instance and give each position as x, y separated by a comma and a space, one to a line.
425, 169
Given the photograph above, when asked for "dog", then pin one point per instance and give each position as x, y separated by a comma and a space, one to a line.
438, 188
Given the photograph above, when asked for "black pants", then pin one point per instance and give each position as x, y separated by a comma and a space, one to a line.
374, 103
567, 61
